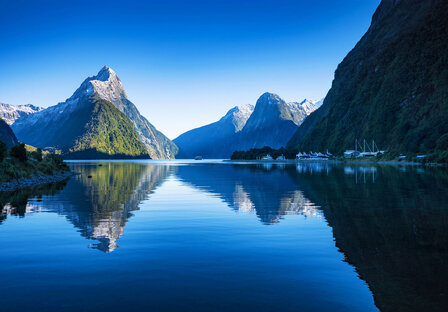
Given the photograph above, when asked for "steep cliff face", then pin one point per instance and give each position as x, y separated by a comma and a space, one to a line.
214, 140
272, 123
6, 134
59, 125
109, 87
392, 87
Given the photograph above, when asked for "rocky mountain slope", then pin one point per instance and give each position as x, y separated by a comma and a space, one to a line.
391, 88
65, 125
10, 113
214, 140
272, 122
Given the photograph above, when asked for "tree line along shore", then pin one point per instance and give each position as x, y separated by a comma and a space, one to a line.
23, 166
436, 157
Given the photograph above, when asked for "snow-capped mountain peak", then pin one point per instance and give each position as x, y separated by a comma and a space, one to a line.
239, 115
106, 84
308, 106
10, 113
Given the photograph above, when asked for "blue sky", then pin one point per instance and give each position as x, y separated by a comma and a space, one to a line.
182, 63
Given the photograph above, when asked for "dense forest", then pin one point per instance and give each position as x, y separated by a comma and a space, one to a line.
391, 88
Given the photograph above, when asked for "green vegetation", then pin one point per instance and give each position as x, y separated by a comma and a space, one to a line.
392, 87
107, 134
19, 152
255, 153
94, 129
19, 163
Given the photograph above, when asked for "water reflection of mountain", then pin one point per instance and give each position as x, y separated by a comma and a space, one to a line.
16, 202
391, 223
99, 200
101, 205
270, 192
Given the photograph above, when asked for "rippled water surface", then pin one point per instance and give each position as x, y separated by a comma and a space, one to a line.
214, 236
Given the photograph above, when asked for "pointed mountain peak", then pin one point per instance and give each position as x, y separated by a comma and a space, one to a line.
269, 96
105, 73
105, 84
268, 99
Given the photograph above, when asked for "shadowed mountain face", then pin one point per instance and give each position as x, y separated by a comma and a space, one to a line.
6, 134
271, 122
214, 140
392, 87
97, 119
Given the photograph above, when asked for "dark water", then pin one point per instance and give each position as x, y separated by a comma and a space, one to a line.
174, 236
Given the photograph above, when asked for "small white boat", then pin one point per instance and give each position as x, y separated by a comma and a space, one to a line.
267, 157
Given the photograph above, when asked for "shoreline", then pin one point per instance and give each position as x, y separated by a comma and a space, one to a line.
32, 181
332, 161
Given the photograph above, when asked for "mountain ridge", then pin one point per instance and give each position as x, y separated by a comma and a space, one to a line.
391, 87
213, 140
272, 123
106, 86
238, 129
10, 113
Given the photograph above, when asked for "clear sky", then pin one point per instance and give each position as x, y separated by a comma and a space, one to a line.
182, 63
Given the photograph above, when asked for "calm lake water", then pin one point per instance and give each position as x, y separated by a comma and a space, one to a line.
213, 236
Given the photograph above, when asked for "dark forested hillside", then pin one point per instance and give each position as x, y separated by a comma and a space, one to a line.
6, 134
392, 87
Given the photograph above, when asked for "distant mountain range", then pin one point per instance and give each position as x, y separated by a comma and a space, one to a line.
216, 139
10, 113
391, 88
98, 120
271, 122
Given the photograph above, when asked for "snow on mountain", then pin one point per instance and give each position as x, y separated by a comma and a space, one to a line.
214, 140
305, 107
272, 122
10, 113
107, 86
239, 115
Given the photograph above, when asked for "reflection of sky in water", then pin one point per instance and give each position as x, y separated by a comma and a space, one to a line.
180, 238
